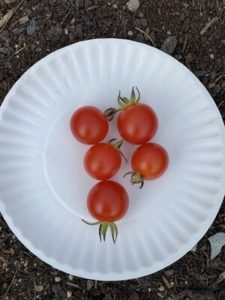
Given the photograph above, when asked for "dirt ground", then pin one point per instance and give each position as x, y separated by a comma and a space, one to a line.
193, 31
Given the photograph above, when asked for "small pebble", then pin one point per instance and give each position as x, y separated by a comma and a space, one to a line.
161, 288
25, 263
169, 44
32, 27
115, 6
130, 33
211, 56
39, 288
133, 5
57, 279
194, 249
69, 294
66, 31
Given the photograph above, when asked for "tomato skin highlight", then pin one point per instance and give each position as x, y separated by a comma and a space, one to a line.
137, 123
107, 201
89, 125
150, 160
102, 161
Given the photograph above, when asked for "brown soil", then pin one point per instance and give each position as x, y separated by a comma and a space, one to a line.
40, 27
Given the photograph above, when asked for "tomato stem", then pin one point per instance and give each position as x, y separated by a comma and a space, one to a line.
103, 228
136, 178
117, 145
100, 232
90, 223
110, 113
123, 103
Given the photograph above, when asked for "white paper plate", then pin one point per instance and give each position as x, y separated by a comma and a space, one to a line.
43, 183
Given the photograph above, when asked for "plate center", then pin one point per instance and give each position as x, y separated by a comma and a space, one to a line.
69, 182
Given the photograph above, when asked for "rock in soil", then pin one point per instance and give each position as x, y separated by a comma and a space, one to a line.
133, 5
169, 44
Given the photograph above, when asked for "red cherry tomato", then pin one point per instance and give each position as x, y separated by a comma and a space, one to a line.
102, 161
150, 160
107, 201
137, 123
89, 125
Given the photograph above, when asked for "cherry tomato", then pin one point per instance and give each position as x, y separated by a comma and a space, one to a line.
107, 202
89, 125
102, 161
137, 123
149, 161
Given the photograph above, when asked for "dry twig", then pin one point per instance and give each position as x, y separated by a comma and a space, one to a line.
6, 18
148, 36
4, 297
208, 25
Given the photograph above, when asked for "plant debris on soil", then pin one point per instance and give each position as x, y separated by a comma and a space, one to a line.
191, 31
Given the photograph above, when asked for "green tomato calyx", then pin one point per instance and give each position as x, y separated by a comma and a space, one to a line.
117, 144
103, 228
123, 102
136, 178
